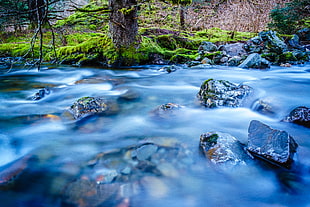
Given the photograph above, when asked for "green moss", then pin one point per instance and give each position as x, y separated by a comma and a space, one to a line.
19, 50
287, 57
127, 11
207, 81
99, 46
183, 55
167, 41
272, 57
86, 20
212, 55
218, 35
213, 139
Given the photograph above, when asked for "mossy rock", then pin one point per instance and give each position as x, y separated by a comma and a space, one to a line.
216, 93
167, 41
271, 57
287, 57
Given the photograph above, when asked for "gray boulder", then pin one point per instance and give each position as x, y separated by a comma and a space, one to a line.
294, 43
234, 61
254, 60
215, 93
254, 45
275, 146
222, 148
207, 61
206, 47
235, 49
272, 42
304, 34
300, 115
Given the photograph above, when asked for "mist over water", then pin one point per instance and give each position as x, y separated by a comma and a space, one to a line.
38, 127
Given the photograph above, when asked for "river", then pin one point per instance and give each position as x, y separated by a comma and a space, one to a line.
62, 146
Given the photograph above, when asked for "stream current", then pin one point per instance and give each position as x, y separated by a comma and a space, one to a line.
37, 127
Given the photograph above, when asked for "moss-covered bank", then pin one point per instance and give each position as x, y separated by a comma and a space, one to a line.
155, 46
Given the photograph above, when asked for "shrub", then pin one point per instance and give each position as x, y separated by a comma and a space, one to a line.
292, 17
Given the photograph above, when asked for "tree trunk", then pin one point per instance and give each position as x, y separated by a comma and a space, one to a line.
36, 11
182, 18
123, 22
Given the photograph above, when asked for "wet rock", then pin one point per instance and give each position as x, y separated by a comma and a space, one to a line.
155, 186
206, 47
300, 115
287, 57
207, 61
222, 148
294, 43
170, 68
304, 34
10, 171
165, 111
201, 66
272, 42
8, 62
265, 107
234, 61
218, 57
286, 65
105, 175
235, 49
41, 94
123, 173
254, 45
87, 106
84, 192
144, 152
254, 60
274, 146
224, 59
215, 93
129, 95
193, 63
301, 56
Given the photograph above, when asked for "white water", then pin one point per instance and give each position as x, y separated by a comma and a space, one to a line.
22, 128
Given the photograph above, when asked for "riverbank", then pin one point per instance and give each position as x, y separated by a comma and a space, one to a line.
164, 47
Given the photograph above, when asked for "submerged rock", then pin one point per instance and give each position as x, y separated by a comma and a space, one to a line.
255, 61
84, 192
166, 110
265, 106
222, 148
41, 94
144, 152
300, 115
92, 105
130, 171
215, 93
274, 146
170, 68
10, 171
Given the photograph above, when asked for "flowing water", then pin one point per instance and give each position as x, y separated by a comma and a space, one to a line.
62, 147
